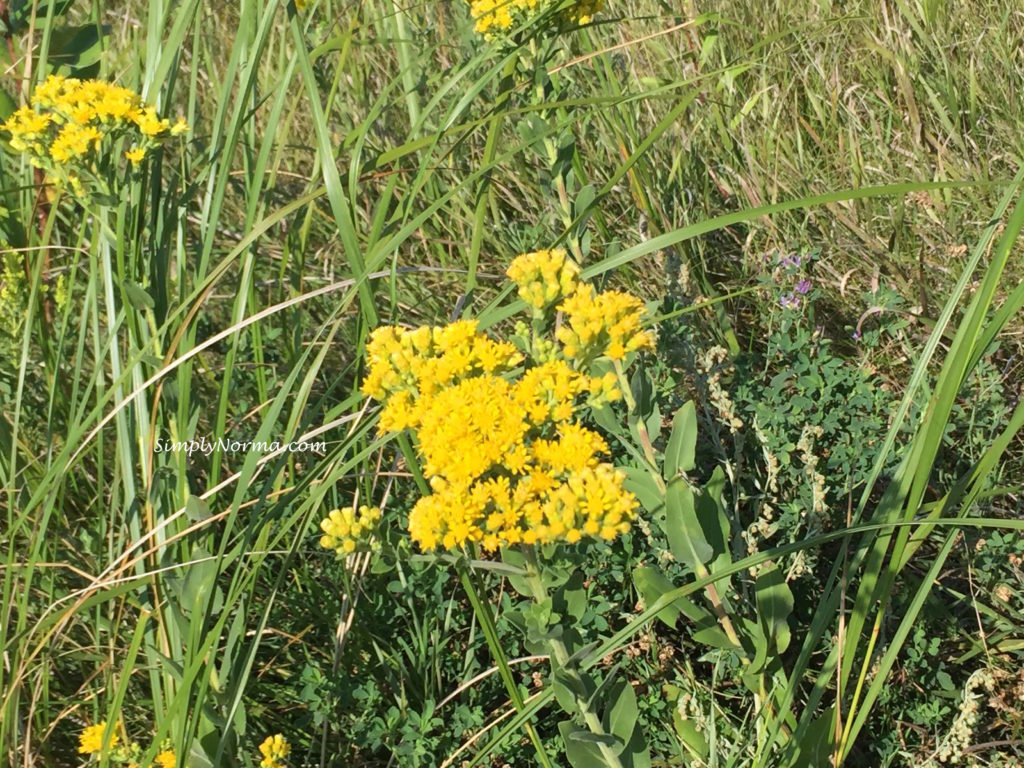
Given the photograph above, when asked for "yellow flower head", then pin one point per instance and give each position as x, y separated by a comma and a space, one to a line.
166, 759
507, 460
90, 741
493, 17
607, 323
407, 365
70, 122
180, 127
150, 124
544, 277
274, 750
74, 141
345, 531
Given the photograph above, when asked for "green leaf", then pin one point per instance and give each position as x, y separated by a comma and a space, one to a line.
815, 746
605, 418
652, 584
774, 606
640, 483
713, 636
7, 104
594, 738
196, 509
519, 582
582, 206
563, 694
653, 422
200, 575
20, 13
685, 536
78, 48
137, 296
642, 387
681, 450
691, 738
714, 522
580, 754
620, 717
571, 599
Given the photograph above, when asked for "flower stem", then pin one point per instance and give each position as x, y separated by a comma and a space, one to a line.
486, 618
560, 655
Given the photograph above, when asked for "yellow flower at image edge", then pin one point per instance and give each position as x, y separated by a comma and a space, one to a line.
274, 750
90, 741
69, 121
501, 15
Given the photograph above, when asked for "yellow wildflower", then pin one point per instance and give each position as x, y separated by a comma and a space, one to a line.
345, 531
179, 127
74, 141
607, 323
150, 124
496, 16
405, 365
90, 741
506, 460
166, 759
69, 120
544, 277
274, 750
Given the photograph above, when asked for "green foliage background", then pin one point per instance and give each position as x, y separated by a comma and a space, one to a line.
359, 164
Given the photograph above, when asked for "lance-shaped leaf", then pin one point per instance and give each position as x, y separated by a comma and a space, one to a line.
680, 453
685, 535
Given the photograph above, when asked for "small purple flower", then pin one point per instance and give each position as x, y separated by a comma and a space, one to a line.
789, 301
792, 261
856, 335
803, 286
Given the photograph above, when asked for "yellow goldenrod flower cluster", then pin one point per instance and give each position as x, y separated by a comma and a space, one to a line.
407, 366
607, 323
345, 530
544, 277
506, 459
90, 741
496, 16
69, 121
274, 750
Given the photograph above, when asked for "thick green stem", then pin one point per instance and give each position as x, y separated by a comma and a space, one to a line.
560, 655
486, 618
